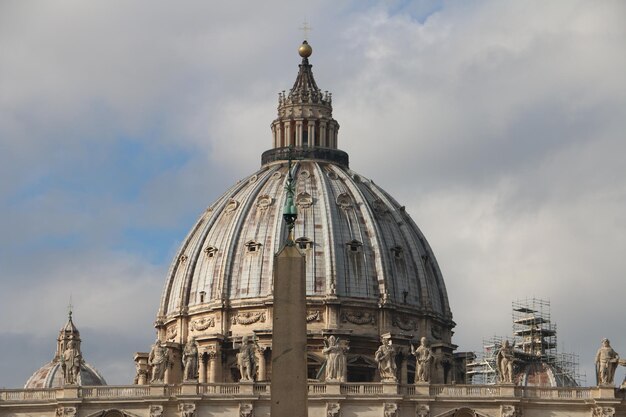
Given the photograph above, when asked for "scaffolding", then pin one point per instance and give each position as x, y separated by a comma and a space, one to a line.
534, 342
482, 370
534, 333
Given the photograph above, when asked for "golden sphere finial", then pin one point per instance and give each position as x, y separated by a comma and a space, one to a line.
305, 50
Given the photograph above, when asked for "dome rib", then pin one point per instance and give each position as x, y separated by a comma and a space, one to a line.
327, 230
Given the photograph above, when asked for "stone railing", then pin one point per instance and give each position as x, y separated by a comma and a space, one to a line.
28, 394
539, 392
137, 392
361, 389
133, 391
464, 391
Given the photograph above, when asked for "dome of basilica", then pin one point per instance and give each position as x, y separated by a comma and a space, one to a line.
369, 269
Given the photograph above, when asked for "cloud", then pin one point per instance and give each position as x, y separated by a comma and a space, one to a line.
502, 126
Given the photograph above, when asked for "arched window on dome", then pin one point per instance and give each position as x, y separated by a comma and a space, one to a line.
210, 251
397, 252
354, 246
304, 243
252, 246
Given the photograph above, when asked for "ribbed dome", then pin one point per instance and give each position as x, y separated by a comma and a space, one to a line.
51, 376
359, 244
369, 269
542, 374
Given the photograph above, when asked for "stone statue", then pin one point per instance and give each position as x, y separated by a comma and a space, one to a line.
606, 362
70, 363
504, 362
190, 360
423, 360
159, 361
336, 365
385, 357
246, 359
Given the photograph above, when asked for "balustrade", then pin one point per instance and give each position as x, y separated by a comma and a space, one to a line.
314, 389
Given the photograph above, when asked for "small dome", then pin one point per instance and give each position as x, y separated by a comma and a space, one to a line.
68, 350
542, 374
51, 376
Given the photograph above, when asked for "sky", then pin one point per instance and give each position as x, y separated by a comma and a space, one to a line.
500, 125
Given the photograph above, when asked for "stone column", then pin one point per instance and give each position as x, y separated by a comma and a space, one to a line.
299, 133
202, 368
214, 366
262, 372
173, 374
331, 136
323, 139
289, 367
311, 128
403, 368
288, 133
281, 139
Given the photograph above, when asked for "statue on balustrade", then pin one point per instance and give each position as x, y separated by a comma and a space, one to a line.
70, 363
336, 364
424, 359
606, 363
385, 357
504, 362
246, 359
190, 360
159, 361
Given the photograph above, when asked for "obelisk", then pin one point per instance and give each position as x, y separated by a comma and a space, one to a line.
289, 368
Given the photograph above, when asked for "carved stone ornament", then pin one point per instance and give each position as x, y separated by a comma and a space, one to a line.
156, 410
358, 317
231, 206
304, 174
171, 333
252, 179
332, 175
263, 202
390, 410
422, 410
187, 409
249, 317
313, 315
304, 200
246, 410
380, 207
66, 412
183, 258
344, 201
509, 411
600, 411
404, 323
333, 410
203, 323
276, 175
